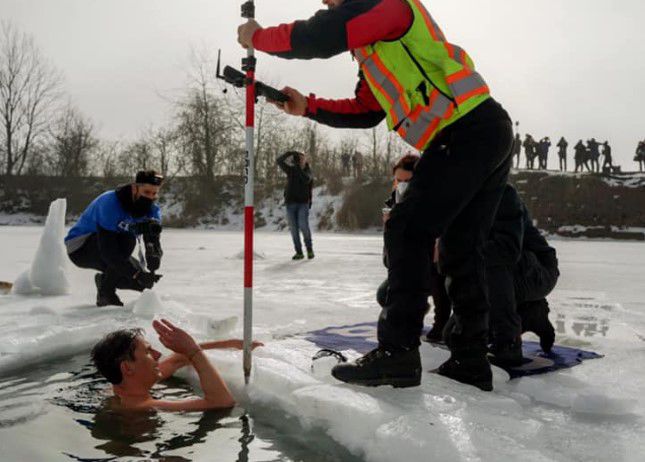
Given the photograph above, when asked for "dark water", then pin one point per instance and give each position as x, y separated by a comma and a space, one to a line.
49, 415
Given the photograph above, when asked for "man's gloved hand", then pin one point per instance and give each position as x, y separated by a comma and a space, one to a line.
153, 256
147, 280
147, 227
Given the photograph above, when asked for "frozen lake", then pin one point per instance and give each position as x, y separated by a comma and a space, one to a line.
591, 412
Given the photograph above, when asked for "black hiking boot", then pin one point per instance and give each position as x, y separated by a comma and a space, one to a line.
473, 371
298, 256
535, 318
108, 300
310, 254
105, 299
381, 367
547, 336
506, 355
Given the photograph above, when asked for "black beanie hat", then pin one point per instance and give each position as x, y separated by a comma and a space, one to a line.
149, 177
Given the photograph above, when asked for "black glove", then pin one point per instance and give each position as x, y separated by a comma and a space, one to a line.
146, 280
153, 256
147, 227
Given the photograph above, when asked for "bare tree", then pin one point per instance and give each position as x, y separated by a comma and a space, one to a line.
73, 143
106, 163
204, 129
29, 86
164, 144
137, 155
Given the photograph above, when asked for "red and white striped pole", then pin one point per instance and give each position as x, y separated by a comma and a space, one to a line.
248, 65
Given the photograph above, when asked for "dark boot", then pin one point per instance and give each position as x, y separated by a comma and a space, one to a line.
535, 318
508, 354
105, 297
310, 254
298, 256
381, 367
469, 370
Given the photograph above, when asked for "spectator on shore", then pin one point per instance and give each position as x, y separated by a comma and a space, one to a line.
594, 154
345, 160
580, 157
562, 153
357, 164
529, 151
607, 164
640, 155
517, 149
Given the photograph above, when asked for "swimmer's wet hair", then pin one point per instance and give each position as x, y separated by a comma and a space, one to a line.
115, 347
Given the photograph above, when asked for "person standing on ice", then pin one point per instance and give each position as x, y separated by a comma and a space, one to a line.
522, 269
430, 93
297, 198
107, 232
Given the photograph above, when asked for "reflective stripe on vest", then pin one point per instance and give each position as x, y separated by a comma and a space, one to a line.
423, 121
465, 84
457, 53
376, 72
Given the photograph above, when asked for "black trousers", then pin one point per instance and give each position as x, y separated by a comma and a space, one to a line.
454, 193
90, 256
518, 296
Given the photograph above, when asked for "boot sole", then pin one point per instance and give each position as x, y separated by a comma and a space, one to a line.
396, 382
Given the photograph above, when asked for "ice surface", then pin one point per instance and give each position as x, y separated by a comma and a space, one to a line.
591, 412
147, 305
48, 273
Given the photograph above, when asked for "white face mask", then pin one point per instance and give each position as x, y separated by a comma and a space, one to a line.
401, 188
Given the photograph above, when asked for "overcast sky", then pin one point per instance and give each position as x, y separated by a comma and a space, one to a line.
560, 67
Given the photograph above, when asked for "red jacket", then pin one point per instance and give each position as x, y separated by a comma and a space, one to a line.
353, 24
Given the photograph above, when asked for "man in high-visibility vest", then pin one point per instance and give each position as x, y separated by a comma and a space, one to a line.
430, 94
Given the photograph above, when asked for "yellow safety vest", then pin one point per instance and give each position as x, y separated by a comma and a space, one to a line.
422, 82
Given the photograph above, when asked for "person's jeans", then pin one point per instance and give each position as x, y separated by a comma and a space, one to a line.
454, 193
298, 218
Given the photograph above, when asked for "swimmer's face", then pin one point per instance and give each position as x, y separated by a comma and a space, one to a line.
145, 367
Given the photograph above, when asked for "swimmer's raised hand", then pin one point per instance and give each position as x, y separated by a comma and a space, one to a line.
175, 338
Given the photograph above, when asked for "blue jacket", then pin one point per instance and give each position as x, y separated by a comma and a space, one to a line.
107, 212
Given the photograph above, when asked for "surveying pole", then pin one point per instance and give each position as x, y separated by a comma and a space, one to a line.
248, 65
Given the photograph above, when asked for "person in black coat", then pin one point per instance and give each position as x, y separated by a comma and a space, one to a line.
297, 197
521, 270
562, 153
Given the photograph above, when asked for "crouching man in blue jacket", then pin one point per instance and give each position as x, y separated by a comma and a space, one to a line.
107, 233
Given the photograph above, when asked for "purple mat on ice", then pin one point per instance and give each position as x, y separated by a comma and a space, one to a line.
362, 338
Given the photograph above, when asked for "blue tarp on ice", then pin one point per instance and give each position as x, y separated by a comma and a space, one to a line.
362, 338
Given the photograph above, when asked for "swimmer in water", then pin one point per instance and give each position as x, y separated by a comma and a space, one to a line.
133, 366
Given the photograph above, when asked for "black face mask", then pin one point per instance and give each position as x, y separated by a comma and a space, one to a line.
141, 206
